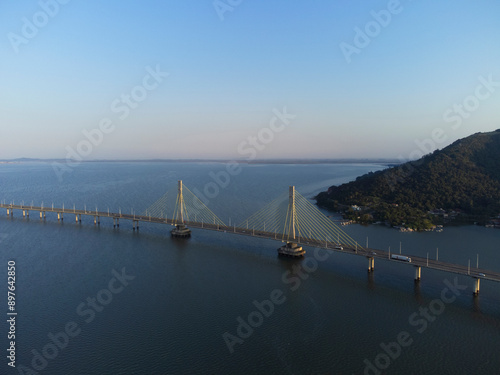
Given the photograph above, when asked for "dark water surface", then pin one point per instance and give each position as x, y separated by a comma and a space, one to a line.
171, 317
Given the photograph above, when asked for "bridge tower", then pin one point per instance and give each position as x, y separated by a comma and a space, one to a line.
291, 249
180, 230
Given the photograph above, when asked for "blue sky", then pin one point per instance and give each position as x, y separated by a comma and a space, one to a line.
227, 77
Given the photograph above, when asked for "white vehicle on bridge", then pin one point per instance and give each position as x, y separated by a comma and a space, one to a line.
401, 257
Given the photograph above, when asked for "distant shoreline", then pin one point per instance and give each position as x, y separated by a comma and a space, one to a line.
388, 162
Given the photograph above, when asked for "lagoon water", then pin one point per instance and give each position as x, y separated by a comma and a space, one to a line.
185, 295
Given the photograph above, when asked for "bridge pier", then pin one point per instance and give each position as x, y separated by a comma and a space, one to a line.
476, 286
291, 249
78, 218
42, 215
9, 212
60, 216
136, 224
371, 264
97, 220
181, 231
418, 273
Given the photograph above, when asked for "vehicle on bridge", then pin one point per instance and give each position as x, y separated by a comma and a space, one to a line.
401, 258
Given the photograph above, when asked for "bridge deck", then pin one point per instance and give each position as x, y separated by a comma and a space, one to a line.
333, 246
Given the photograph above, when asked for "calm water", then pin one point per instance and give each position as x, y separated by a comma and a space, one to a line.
171, 318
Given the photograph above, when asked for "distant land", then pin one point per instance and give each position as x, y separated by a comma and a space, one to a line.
388, 162
458, 184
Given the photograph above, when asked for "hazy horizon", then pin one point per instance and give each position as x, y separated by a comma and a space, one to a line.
222, 160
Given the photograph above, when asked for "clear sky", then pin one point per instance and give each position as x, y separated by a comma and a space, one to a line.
362, 78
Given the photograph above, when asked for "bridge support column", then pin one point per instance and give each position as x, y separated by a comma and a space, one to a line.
114, 222
42, 215
118, 222
371, 264
136, 224
476, 286
24, 213
418, 270
9, 212
60, 216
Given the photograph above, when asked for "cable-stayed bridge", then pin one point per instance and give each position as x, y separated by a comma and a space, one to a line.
290, 218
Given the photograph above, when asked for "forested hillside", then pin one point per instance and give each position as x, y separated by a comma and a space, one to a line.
464, 177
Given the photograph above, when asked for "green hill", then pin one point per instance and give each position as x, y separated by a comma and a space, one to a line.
463, 177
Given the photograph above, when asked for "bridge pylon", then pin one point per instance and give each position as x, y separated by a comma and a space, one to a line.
180, 230
291, 249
